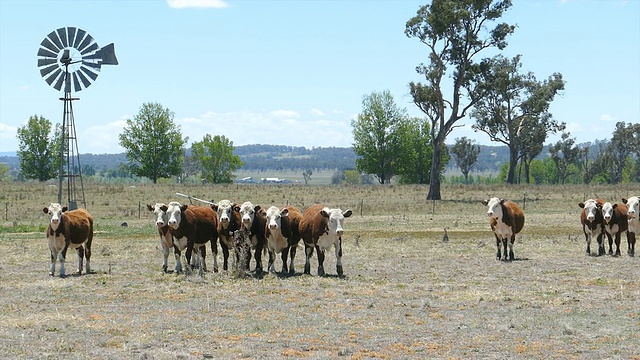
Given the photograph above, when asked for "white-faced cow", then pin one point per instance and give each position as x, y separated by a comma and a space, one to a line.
69, 229
198, 225
633, 218
283, 236
166, 239
254, 220
591, 220
614, 217
321, 228
229, 224
506, 220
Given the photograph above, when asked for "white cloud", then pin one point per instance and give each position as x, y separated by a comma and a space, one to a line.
285, 113
102, 139
607, 117
183, 4
316, 112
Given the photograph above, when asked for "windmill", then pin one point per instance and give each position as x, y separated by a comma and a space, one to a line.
70, 60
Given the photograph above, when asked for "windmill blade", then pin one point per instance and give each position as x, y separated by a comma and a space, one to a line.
67, 83
47, 70
52, 77
79, 37
91, 64
89, 49
59, 81
46, 53
76, 83
88, 40
71, 31
62, 34
53, 36
83, 78
89, 72
49, 45
46, 62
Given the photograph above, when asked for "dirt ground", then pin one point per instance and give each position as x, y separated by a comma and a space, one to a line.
406, 294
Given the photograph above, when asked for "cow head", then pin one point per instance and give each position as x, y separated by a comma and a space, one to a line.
274, 217
224, 209
607, 211
590, 207
336, 220
247, 213
174, 214
55, 211
633, 204
159, 214
494, 207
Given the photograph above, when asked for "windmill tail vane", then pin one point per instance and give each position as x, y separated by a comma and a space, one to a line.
70, 56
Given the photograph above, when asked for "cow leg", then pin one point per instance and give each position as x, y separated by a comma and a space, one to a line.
203, 256
308, 250
165, 258
188, 254
631, 241
61, 259
284, 255
52, 267
588, 239
214, 251
618, 235
610, 238
320, 260
225, 256
339, 257
600, 245
177, 254
87, 254
504, 246
292, 256
513, 240
270, 267
80, 251
499, 253
258, 257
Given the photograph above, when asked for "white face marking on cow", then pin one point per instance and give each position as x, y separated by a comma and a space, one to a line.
590, 208
274, 217
160, 215
607, 212
336, 220
247, 213
494, 208
174, 214
633, 204
223, 208
55, 211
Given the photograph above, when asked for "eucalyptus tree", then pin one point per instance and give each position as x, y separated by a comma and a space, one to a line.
515, 109
625, 142
455, 33
39, 149
153, 143
564, 153
465, 152
216, 159
378, 136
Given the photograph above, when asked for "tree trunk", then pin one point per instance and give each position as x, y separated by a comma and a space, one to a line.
513, 160
434, 178
526, 171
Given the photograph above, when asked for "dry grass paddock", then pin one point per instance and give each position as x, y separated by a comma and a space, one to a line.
406, 294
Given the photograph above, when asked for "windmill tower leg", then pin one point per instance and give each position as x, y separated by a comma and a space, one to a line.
70, 168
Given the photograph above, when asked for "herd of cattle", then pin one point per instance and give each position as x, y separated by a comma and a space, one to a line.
248, 227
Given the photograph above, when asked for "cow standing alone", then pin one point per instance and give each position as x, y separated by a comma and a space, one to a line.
321, 228
506, 220
633, 218
66, 229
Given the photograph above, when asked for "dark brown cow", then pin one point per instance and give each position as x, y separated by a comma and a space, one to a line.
591, 220
198, 225
283, 235
254, 221
229, 223
69, 229
506, 220
321, 228
615, 223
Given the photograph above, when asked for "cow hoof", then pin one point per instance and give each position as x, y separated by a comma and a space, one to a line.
339, 270
52, 274
320, 271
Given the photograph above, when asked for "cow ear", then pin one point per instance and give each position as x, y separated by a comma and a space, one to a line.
214, 207
236, 208
485, 202
183, 207
46, 210
257, 208
164, 208
325, 213
581, 205
64, 208
149, 207
502, 201
284, 212
614, 206
347, 213
624, 200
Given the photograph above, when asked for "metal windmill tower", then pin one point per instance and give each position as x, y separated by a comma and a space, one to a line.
70, 57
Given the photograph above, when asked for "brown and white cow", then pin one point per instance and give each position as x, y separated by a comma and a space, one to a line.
254, 220
283, 236
69, 229
633, 218
321, 228
229, 223
615, 223
506, 220
166, 239
592, 223
197, 225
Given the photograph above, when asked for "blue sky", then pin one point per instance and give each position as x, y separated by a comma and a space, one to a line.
294, 72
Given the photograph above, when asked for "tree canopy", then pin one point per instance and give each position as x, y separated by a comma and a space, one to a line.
153, 143
455, 32
39, 149
465, 153
216, 159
